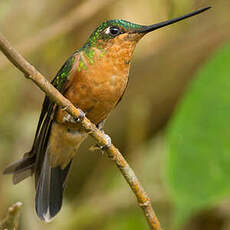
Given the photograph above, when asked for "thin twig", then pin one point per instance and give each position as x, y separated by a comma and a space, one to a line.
113, 153
11, 220
76, 17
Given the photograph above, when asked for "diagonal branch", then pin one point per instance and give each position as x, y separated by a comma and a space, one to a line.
113, 153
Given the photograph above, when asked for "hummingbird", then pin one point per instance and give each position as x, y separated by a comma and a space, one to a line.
94, 78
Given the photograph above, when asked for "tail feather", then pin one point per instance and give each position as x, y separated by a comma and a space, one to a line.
49, 191
21, 169
20, 176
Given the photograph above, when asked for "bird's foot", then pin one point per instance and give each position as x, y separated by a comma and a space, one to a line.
69, 118
64, 108
80, 117
102, 147
100, 125
108, 141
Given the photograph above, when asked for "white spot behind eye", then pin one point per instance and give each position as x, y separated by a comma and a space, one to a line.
107, 31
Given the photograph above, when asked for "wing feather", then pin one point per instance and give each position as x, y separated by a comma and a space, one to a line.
32, 161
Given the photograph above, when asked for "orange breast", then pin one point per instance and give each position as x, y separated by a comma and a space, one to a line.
97, 89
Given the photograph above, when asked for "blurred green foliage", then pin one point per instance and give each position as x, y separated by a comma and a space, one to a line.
199, 134
120, 222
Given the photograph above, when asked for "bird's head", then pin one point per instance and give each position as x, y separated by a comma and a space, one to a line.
116, 31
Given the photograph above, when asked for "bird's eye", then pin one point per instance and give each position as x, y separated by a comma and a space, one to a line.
113, 30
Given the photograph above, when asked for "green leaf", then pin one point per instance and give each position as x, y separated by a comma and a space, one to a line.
198, 169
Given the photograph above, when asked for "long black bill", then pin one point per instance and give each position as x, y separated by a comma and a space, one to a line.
147, 29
